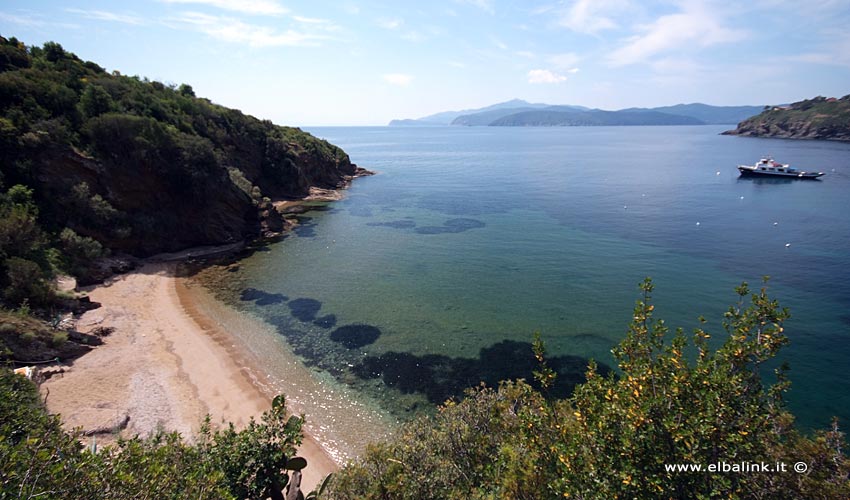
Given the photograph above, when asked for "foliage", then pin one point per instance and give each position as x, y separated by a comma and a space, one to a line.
477, 448
816, 118
39, 460
132, 164
254, 461
614, 436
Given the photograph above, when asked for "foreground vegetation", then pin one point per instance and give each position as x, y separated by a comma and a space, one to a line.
675, 401
613, 437
40, 460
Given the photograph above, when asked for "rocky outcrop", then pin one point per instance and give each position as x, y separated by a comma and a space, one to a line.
132, 209
818, 118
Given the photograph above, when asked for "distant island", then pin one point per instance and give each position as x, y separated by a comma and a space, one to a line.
819, 118
519, 113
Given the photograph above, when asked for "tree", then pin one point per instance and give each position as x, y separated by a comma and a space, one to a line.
95, 101
186, 90
255, 460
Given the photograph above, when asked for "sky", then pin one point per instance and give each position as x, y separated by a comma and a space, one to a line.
365, 62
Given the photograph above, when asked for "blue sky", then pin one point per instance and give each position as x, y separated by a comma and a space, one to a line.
362, 62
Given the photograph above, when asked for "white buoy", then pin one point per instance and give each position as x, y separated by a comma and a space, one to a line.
625, 207
775, 223
697, 223
742, 197
718, 172
787, 245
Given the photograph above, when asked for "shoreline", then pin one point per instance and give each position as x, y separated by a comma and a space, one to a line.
166, 365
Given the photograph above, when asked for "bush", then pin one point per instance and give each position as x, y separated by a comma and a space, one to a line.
26, 281
58, 338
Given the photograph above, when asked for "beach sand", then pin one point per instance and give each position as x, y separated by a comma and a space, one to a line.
164, 365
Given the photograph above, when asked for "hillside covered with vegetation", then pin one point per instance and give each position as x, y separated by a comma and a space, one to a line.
818, 118
95, 163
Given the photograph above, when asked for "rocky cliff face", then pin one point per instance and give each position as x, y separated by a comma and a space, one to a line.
148, 213
818, 118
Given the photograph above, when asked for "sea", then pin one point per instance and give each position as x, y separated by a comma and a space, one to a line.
436, 273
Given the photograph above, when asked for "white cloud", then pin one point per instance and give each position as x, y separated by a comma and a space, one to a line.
564, 61
393, 23
235, 31
456, 64
399, 79
526, 54
310, 20
413, 36
33, 20
696, 27
259, 7
101, 15
545, 76
485, 5
498, 43
316, 23
836, 52
573, 70
21, 20
592, 16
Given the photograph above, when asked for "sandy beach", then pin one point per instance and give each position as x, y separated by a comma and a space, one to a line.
162, 366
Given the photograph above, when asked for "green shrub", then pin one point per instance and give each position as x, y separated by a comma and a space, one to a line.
26, 281
28, 337
58, 338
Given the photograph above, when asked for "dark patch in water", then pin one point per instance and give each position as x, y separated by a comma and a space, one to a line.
361, 211
441, 377
356, 336
395, 224
451, 226
306, 228
233, 269
305, 309
262, 298
328, 321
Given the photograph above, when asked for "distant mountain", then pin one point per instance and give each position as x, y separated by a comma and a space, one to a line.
483, 118
711, 115
447, 117
595, 117
415, 123
818, 118
517, 113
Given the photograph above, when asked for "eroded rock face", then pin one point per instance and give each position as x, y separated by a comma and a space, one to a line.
153, 214
801, 130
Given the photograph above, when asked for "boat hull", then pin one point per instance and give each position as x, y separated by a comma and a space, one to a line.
747, 171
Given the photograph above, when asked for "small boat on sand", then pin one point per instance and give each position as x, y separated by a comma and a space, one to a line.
768, 167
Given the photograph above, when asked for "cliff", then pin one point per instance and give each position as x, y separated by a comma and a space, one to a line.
142, 167
818, 118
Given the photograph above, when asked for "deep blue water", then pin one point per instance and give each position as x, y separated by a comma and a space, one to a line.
438, 270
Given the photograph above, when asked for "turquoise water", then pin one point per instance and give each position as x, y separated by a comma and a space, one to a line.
434, 274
